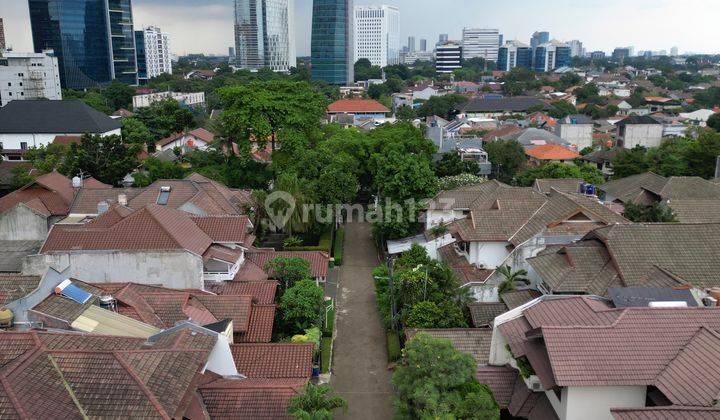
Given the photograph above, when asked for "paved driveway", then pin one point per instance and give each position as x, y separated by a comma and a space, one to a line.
359, 367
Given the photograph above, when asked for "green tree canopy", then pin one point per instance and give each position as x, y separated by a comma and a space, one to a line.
509, 155
556, 170
432, 315
445, 106
165, 117
118, 95
436, 381
451, 165
136, 132
155, 169
107, 159
301, 306
315, 402
289, 270
714, 122
655, 213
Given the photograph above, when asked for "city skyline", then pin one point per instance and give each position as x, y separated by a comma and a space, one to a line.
599, 25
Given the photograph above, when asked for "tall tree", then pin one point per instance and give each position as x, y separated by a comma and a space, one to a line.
165, 117
108, 159
508, 156
301, 306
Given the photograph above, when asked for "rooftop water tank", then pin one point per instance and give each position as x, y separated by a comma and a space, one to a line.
6, 318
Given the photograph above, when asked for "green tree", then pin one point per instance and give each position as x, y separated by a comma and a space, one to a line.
556, 170
714, 122
432, 315
107, 159
155, 169
135, 131
261, 109
445, 106
164, 118
451, 165
655, 213
338, 184
457, 181
435, 380
561, 109
511, 278
20, 176
47, 158
289, 184
289, 270
301, 306
315, 402
118, 95
405, 113
98, 101
508, 155
630, 162
415, 256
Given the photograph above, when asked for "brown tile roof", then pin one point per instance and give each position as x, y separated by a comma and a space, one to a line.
515, 298
695, 210
319, 261
260, 327
666, 413
567, 185
203, 134
484, 313
464, 271
273, 360
630, 189
16, 286
250, 398
64, 309
86, 201
473, 341
357, 106
151, 228
551, 152
169, 139
108, 376
523, 399
501, 380
53, 193
66, 140
503, 131
263, 292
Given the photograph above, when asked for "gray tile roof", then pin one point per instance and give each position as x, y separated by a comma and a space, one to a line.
40, 116
13, 252
484, 313
624, 297
515, 298
473, 341
695, 210
567, 185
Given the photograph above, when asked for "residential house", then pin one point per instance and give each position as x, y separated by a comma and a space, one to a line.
29, 212
490, 108
546, 153
357, 110
585, 358
659, 104
691, 199
671, 255
564, 185
639, 131
200, 75
493, 224
576, 130
464, 87
699, 117
602, 159
198, 139
533, 137
35, 123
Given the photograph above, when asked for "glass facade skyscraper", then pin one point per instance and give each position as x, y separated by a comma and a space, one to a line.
332, 41
92, 39
264, 34
141, 58
514, 54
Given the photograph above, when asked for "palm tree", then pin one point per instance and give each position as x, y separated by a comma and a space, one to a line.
512, 278
314, 403
290, 184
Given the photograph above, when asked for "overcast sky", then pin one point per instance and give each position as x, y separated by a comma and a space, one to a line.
207, 26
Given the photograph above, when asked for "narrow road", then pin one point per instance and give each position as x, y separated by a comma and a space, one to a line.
359, 367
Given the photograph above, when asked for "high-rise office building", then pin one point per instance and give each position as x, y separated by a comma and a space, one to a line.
448, 57
576, 48
539, 38
597, 55
423, 45
265, 34
620, 54
377, 34
26, 76
481, 42
551, 55
231, 53
332, 54
514, 54
411, 44
2, 35
157, 52
443, 38
140, 56
673, 51
93, 40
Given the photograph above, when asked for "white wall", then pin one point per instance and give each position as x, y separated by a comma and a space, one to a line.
488, 254
595, 402
577, 134
20, 223
12, 141
437, 217
174, 269
182, 141
647, 135
29, 76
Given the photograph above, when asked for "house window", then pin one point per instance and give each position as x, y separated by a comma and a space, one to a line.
23, 145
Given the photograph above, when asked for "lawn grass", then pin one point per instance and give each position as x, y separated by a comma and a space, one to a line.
325, 354
393, 346
338, 248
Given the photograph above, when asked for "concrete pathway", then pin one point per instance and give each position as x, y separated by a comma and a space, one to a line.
359, 367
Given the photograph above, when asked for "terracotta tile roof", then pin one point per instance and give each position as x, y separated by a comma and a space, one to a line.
237, 308
515, 298
250, 398
319, 261
484, 313
109, 377
523, 399
503, 131
86, 201
357, 106
666, 413
262, 292
203, 134
551, 152
250, 272
151, 228
260, 327
53, 190
169, 139
473, 341
501, 380
66, 140
273, 360
16, 286
465, 272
